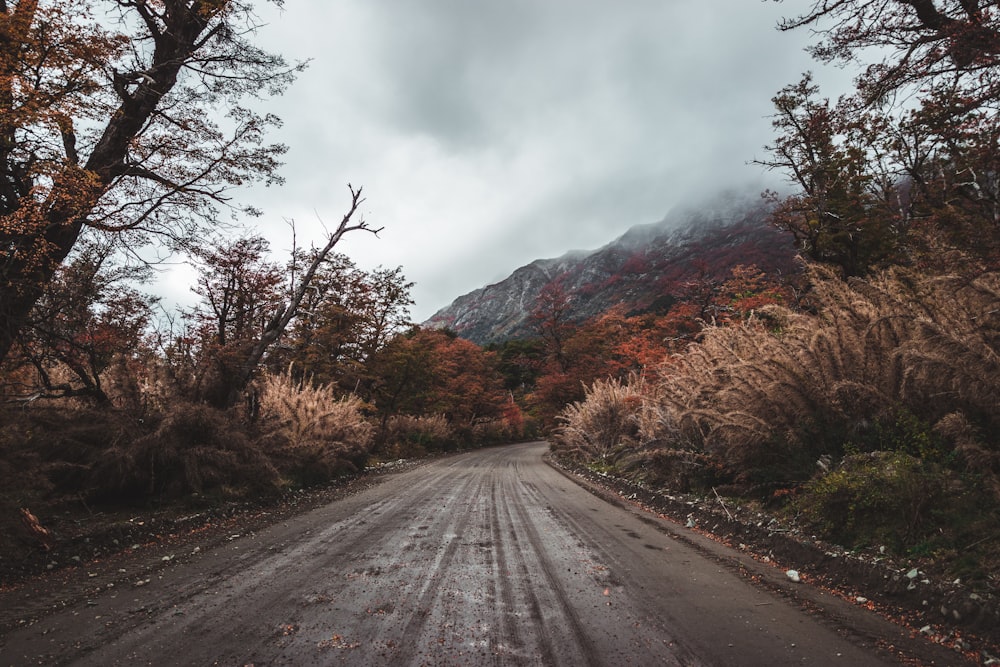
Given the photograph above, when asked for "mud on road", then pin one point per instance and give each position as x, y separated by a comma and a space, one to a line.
491, 557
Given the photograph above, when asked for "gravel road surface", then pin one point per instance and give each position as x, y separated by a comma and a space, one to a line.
486, 558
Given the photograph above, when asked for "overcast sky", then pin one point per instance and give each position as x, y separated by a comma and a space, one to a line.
489, 133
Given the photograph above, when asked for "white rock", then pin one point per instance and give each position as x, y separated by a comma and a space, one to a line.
793, 575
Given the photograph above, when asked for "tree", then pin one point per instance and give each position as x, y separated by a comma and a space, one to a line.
551, 318
849, 211
239, 288
89, 317
240, 298
433, 371
347, 316
914, 154
108, 123
920, 41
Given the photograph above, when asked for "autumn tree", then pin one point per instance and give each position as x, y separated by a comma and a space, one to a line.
931, 162
109, 120
849, 211
89, 317
551, 317
247, 305
347, 316
239, 286
433, 371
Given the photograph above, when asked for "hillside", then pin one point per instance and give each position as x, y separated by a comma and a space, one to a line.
642, 269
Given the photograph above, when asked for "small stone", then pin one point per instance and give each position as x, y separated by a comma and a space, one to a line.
912, 574
861, 600
793, 575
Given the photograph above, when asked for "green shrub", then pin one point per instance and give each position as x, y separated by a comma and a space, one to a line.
884, 498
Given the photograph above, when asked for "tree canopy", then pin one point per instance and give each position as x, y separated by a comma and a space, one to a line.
126, 117
914, 42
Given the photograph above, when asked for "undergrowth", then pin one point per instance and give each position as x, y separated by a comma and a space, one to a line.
874, 416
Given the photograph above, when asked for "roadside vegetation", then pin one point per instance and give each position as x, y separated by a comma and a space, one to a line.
866, 408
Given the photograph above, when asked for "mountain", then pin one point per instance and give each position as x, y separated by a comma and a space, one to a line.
642, 269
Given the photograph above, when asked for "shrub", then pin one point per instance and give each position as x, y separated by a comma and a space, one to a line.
875, 498
908, 505
195, 449
408, 436
310, 433
883, 363
604, 424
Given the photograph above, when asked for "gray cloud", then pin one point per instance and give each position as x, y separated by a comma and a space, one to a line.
490, 133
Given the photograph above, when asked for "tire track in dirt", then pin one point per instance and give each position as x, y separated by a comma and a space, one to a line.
546, 588
508, 639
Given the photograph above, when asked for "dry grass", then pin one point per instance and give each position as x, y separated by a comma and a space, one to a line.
876, 414
898, 343
900, 361
604, 424
313, 434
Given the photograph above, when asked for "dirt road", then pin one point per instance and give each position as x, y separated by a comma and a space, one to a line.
488, 558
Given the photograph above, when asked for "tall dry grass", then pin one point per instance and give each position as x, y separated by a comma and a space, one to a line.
901, 360
792, 383
312, 433
604, 424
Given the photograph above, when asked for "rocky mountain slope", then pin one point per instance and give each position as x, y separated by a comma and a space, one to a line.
641, 269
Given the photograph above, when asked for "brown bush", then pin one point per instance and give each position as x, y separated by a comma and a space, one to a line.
310, 433
796, 386
195, 449
902, 361
603, 425
407, 436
